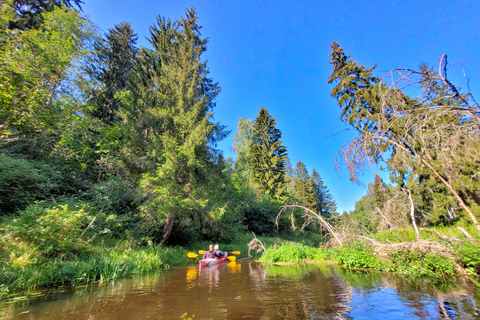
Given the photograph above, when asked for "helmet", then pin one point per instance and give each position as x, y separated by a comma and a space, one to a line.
216, 247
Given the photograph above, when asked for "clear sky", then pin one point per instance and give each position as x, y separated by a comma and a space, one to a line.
275, 54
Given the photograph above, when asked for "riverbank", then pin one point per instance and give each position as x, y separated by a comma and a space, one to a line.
96, 264
413, 257
23, 267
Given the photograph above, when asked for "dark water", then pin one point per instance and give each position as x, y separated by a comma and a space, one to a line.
248, 290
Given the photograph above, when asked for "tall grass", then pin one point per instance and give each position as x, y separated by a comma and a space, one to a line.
100, 265
361, 256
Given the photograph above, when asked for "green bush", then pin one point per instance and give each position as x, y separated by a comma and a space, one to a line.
418, 262
469, 256
24, 181
49, 232
289, 252
358, 257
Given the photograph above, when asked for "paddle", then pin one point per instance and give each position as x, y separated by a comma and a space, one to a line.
194, 255
234, 252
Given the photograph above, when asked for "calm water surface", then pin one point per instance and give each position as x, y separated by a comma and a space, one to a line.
247, 290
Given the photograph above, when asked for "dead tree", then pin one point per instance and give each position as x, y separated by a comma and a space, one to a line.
310, 216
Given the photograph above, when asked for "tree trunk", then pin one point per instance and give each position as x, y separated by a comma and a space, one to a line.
412, 213
167, 229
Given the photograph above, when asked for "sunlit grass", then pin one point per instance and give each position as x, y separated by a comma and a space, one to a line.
102, 265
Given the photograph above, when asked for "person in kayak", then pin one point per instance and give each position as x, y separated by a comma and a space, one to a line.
217, 253
209, 254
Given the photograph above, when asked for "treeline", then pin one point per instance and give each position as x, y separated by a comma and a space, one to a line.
103, 139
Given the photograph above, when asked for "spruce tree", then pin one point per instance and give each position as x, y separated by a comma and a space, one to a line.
172, 105
325, 204
114, 61
304, 189
267, 157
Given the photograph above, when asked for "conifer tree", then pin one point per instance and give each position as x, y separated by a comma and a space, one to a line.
114, 61
172, 103
379, 191
413, 136
325, 204
304, 189
267, 157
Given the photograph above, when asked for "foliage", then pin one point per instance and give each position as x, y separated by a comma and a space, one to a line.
181, 126
259, 216
35, 62
359, 255
469, 256
46, 232
420, 263
289, 252
242, 142
29, 13
24, 181
325, 204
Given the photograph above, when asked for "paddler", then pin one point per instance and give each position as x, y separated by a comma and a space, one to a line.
217, 253
209, 254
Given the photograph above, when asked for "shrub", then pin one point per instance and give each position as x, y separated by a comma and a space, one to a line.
469, 256
289, 252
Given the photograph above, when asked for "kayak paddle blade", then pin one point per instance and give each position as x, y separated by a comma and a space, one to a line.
236, 253
231, 258
192, 255
201, 251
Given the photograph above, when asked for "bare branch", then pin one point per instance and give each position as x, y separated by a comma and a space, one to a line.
309, 212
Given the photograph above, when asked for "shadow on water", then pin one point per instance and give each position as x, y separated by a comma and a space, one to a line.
248, 290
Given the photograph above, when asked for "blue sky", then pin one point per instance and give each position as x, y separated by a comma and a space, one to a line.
275, 54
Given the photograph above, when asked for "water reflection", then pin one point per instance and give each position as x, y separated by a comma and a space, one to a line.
248, 290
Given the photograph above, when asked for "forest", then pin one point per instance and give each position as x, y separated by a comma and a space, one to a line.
109, 159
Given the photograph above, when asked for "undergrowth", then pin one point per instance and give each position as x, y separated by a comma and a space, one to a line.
361, 256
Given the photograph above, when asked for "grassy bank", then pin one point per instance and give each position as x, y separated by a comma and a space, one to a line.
97, 264
424, 257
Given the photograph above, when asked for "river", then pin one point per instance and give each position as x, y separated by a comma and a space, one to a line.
244, 289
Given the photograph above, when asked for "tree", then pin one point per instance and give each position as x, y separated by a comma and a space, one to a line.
172, 103
303, 187
114, 61
29, 13
412, 136
35, 64
242, 142
379, 191
267, 156
325, 204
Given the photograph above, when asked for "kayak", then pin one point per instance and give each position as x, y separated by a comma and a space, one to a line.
211, 262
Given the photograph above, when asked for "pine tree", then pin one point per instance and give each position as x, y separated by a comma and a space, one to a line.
267, 157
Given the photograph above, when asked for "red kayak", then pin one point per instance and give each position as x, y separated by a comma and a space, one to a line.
211, 262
